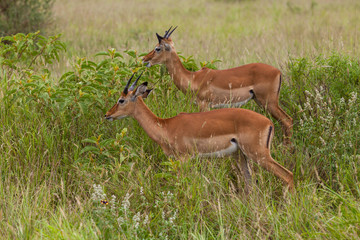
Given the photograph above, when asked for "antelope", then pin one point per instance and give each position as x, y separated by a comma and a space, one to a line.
224, 88
240, 133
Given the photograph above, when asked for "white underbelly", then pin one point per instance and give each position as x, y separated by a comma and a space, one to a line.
231, 98
217, 146
221, 153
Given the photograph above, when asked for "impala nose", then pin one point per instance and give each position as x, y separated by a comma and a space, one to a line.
148, 64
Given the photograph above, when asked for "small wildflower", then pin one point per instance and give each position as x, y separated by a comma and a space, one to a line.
104, 202
146, 220
125, 204
308, 106
308, 93
301, 122
311, 119
120, 221
322, 141
318, 97
304, 117
113, 204
136, 220
173, 217
98, 193
353, 98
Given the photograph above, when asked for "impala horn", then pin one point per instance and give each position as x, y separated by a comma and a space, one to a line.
134, 84
127, 85
168, 34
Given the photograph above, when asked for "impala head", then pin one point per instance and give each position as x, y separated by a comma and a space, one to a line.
162, 50
125, 105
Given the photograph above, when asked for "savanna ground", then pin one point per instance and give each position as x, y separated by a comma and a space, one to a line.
60, 158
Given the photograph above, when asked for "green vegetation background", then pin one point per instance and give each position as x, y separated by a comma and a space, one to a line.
68, 174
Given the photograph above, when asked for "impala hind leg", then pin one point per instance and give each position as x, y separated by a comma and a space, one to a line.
242, 164
285, 120
271, 105
264, 159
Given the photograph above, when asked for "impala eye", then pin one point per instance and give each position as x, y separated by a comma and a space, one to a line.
158, 49
121, 101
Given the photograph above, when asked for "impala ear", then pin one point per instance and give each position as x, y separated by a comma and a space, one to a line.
146, 93
167, 47
139, 91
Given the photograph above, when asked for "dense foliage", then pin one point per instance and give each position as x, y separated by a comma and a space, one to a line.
24, 16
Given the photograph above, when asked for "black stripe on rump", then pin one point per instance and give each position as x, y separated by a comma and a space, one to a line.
279, 85
268, 139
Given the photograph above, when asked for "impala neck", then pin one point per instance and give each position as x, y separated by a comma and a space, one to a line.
151, 124
181, 76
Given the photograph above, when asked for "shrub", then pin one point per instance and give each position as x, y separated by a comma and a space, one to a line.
24, 16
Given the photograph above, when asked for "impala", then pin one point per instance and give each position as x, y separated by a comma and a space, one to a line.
224, 88
217, 133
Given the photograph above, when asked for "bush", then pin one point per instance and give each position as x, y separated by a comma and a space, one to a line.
24, 16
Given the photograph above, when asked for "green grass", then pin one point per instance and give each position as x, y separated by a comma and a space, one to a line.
50, 155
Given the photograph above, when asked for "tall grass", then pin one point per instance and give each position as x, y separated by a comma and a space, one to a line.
68, 174
237, 32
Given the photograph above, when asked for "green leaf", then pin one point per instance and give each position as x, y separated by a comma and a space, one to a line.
118, 55
102, 53
90, 140
90, 148
131, 53
107, 142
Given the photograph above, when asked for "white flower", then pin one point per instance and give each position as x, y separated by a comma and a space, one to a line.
146, 220
173, 217
163, 215
113, 204
120, 221
353, 98
318, 97
125, 204
342, 101
98, 193
308, 106
301, 122
136, 220
311, 120
308, 93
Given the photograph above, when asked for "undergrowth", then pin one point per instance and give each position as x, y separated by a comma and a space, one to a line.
68, 174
